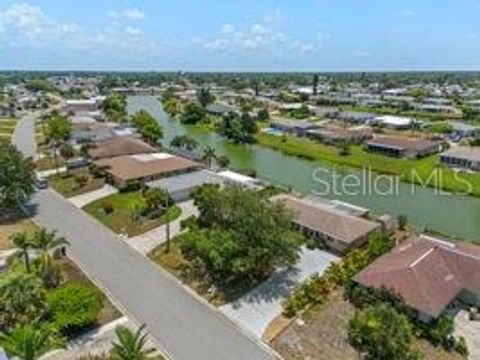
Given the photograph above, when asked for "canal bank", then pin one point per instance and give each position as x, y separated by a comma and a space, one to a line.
455, 215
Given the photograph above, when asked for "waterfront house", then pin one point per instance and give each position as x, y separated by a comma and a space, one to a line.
339, 135
142, 168
120, 146
402, 147
296, 127
335, 229
356, 117
463, 157
429, 274
393, 122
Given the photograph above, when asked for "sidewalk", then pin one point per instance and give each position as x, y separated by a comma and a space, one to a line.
147, 242
83, 199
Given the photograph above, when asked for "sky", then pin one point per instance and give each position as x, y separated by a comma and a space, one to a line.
240, 35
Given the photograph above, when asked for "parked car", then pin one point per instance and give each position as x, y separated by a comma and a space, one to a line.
78, 162
41, 182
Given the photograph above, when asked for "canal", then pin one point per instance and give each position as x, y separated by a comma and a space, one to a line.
457, 216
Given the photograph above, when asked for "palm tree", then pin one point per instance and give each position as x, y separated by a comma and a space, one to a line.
23, 243
47, 243
209, 155
130, 345
29, 342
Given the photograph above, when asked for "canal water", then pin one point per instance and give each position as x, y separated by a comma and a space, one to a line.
455, 215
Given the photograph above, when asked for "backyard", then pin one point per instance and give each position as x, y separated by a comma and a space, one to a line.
120, 212
75, 182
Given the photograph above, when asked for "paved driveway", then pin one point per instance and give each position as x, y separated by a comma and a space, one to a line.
258, 308
147, 242
81, 200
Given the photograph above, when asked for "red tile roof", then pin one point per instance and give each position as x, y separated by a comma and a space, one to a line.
427, 273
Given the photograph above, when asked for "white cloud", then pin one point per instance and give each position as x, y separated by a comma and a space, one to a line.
228, 29
131, 14
134, 31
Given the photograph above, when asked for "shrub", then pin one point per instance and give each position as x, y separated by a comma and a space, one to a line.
81, 179
74, 307
108, 207
461, 346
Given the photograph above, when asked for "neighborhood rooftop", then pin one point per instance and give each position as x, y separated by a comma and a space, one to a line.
427, 273
119, 146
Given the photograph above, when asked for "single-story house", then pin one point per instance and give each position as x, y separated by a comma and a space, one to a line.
81, 105
234, 178
462, 157
336, 135
122, 170
180, 187
326, 111
336, 229
429, 274
464, 130
119, 146
297, 127
356, 117
394, 122
402, 147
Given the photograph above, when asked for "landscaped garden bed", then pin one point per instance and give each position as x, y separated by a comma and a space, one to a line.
75, 182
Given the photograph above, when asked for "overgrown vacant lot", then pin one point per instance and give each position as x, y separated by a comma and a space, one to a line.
76, 182
11, 223
324, 336
122, 219
358, 158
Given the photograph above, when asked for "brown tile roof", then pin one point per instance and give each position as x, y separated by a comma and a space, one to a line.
428, 273
132, 167
402, 143
119, 146
327, 220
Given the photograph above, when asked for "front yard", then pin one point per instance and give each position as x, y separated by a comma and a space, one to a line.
322, 334
120, 211
12, 222
76, 182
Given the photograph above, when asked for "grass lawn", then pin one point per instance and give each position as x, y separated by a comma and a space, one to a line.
6, 129
71, 272
9, 122
121, 220
409, 170
12, 222
68, 186
324, 335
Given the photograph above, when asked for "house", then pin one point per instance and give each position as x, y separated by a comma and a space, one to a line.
461, 129
464, 157
338, 135
402, 147
296, 127
356, 117
234, 178
76, 106
429, 274
180, 187
394, 122
220, 109
122, 170
335, 229
120, 146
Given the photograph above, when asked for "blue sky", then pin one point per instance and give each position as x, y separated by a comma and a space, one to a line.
240, 35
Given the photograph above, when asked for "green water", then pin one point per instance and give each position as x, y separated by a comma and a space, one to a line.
455, 215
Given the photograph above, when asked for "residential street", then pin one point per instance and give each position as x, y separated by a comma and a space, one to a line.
184, 326
24, 135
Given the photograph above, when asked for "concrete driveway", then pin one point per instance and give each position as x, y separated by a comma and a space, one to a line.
259, 307
83, 199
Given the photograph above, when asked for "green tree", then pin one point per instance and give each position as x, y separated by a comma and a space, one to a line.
147, 126
29, 342
58, 130
114, 106
402, 221
67, 152
235, 247
223, 161
315, 84
16, 177
209, 155
263, 115
205, 97
131, 345
156, 199
382, 334
184, 142
24, 245
193, 113
74, 307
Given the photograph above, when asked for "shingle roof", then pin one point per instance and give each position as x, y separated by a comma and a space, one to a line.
327, 220
131, 167
119, 146
427, 273
402, 143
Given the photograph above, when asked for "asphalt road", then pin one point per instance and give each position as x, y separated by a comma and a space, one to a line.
24, 135
183, 325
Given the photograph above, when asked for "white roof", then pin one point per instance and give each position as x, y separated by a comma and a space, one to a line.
81, 102
231, 175
393, 120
